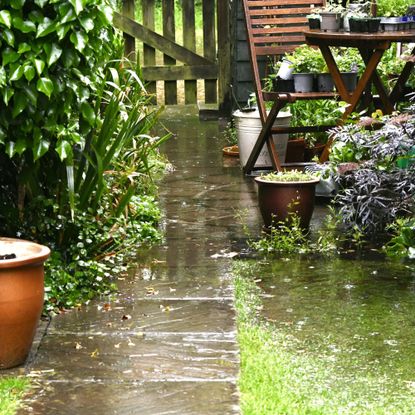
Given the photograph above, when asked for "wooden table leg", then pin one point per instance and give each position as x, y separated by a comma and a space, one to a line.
265, 135
398, 89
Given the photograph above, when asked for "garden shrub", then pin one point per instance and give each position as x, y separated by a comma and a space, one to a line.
74, 143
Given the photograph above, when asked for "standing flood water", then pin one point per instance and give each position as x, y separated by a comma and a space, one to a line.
346, 328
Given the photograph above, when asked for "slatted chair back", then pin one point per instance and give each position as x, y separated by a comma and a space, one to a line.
275, 27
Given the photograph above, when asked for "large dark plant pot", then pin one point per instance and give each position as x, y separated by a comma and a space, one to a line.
279, 199
21, 298
295, 151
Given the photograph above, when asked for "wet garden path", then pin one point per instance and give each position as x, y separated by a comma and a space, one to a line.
166, 344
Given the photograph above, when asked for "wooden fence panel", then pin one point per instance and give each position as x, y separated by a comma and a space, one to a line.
149, 53
164, 59
189, 42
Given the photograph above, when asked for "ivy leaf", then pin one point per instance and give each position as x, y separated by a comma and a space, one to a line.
25, 26
64, 150
19, 103
8, 36
67, 13
70, 58
7, 94
78, 5
23, 47
31, 93
107, 13
53, 52
88, 113
62, 30
17, 73
9, 147
79, 39
45, 85
87, 23
5, 18
36, 16
46, 27
9, 56
40, 147
2, 76
29, 72
41, 3
2, 136
17, 4
39, 65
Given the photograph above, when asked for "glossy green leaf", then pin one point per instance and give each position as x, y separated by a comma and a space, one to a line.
9, 56
78, 5
39, 65
64, 150
8, 36
2, 76
67, 13
36, 16
62, 30
16, 73
107, 13
87, 23
20, 102
17, 4
70, 58
2, 136
7, 95
45, 85
29, 72
25, 26
79, 39
40, 147
9, 147
5, 18
41, 3
31, 93
23, 47
88, 113
53, 52
46, 27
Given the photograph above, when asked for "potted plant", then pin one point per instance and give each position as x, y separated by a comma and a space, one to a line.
284, 193
331, 17
314, 21
306, 62
349, 63
21, 297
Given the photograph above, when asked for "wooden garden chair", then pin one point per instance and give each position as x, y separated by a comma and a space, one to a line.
275, 27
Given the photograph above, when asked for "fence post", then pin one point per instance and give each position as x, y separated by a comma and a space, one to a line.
128, 10
224, 56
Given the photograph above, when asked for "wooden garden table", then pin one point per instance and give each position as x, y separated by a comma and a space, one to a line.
371, 46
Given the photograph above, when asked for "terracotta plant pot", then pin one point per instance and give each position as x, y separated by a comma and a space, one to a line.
21, 298
279, 199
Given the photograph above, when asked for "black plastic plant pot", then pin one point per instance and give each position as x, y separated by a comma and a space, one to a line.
362, 25
284, 85
314, 23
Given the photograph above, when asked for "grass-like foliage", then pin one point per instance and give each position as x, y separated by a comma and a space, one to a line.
11, 392
285, 371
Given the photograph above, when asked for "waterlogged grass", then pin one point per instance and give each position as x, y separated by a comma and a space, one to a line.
11, 393
323, 369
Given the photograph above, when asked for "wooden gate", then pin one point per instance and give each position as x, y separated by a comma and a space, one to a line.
165, 59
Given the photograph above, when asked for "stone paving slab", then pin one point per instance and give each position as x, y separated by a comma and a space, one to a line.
148, 398
156, 315
138, 357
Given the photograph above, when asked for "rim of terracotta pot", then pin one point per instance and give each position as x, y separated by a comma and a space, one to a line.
271, 182
26, 252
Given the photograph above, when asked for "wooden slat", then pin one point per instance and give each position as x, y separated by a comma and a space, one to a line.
278, 39
279, 29
149, 53
173, 73
157, 41
209, 46
271, 3
129, 41
278, 21
189, 42
278, 12
170, 87
274, 50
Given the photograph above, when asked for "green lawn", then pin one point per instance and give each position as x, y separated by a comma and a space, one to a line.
281, 374
11, 393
